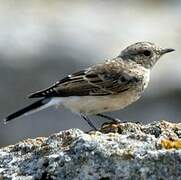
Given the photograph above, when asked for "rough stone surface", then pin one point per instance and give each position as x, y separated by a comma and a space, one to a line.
117, 151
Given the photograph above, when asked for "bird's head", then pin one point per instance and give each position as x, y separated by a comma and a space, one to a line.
144, 53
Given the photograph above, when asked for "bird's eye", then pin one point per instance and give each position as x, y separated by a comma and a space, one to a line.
147, 53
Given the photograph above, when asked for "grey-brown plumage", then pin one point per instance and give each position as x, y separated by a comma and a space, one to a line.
112, 77
108, 86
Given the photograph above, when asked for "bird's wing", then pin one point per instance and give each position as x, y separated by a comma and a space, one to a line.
103, 79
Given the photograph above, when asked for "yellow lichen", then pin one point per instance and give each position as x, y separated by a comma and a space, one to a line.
171, 143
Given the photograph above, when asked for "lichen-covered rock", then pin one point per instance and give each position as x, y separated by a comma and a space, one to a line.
117, 151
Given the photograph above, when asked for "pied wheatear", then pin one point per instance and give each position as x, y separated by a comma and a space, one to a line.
104, 87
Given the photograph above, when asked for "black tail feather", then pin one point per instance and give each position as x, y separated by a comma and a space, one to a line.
27, 109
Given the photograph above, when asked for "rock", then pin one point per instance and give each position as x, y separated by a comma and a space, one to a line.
117, 151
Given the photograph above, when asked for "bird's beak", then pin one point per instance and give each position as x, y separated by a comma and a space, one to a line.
166, 50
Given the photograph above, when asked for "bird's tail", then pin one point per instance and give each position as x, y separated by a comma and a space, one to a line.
37, 106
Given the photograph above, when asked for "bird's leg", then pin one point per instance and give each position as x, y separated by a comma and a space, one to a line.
88, 121
109, 118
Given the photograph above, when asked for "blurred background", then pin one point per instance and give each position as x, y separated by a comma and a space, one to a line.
42, 41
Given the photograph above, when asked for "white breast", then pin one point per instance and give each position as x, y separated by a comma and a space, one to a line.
99, 104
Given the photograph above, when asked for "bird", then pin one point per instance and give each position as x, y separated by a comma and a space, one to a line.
104, 87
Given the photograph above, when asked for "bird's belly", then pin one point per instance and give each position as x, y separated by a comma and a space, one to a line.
97, 104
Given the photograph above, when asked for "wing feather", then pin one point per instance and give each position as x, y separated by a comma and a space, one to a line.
99, 80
